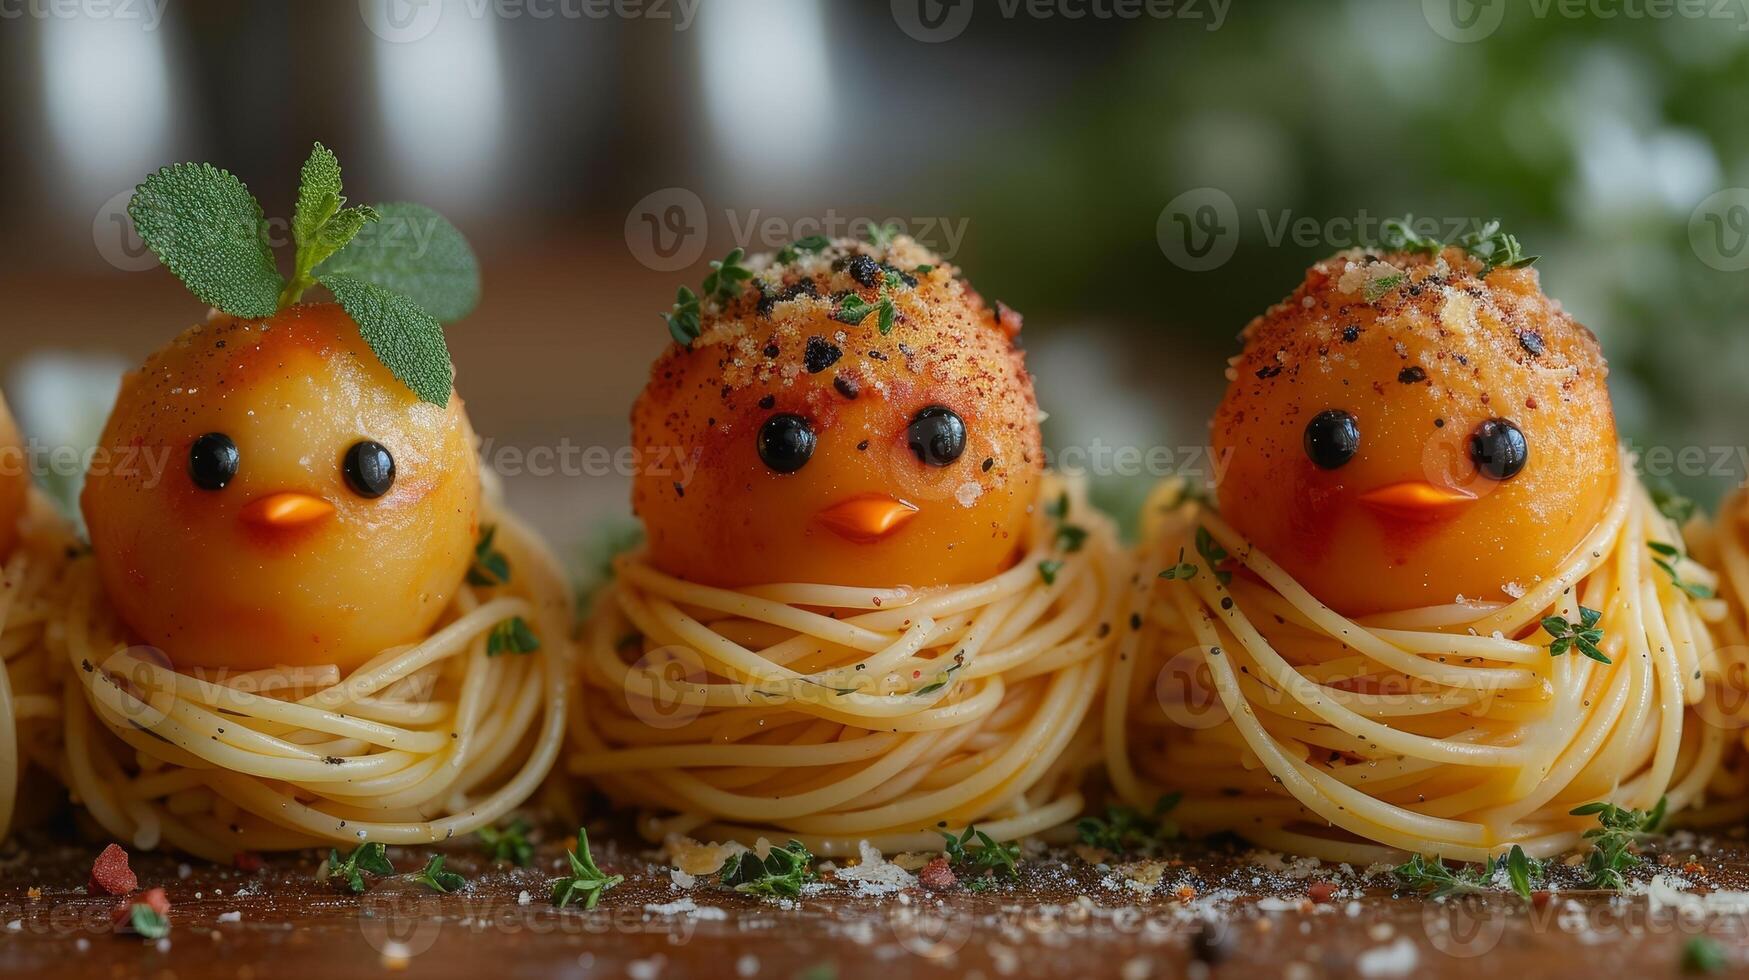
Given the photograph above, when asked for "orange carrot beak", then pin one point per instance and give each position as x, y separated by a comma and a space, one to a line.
1414, 499
286, 510
867, 518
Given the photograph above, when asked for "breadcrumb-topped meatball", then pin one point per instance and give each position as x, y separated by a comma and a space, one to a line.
849, 414
1413, 429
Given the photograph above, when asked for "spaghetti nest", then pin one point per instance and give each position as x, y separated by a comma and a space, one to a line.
421, 743
32, 582
1451, 730
837, 714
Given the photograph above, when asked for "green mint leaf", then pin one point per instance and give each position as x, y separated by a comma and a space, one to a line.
206, 228
408, 340
318, 195
412, 250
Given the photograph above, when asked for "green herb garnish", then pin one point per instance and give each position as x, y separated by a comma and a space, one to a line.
398, 284
490, 567
1586, 635
1699, 955
1399, 235
511, 636
989, 855
1125, 829
1495, 249
723, 282
435, 878
508, 843
1212, 553
1375, 289
1673, 505
145, 921
685, 322
586, 881
1667, 557
1181, 572
811, 244
1070, 537
1048, 569
1431, 875
1613, 840
349, 872
881, 236
783, 872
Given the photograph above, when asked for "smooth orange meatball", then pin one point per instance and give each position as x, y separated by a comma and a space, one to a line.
14, 479
1436, 366
788, 446
283, 559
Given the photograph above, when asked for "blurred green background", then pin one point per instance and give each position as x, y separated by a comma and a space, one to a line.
599, 154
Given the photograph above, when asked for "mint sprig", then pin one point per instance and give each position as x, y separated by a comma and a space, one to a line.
321, 224
398, 283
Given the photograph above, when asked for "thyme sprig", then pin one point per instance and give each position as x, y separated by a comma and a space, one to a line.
1613, 840
1432, 876
1125, 829
1667, 558
1586, 635
782, 872
987, 856
350, 870
586, 882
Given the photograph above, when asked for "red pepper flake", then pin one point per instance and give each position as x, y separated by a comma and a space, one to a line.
110, 874
122, 916
247, 862
937, 876
1322, 892
1541, 900
1185, 894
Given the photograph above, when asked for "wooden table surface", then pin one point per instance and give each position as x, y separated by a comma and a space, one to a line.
1204, 911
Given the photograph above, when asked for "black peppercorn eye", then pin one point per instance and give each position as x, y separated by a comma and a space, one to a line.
369, 469
937, 436
786, 442
213, 461
1332, 438
1499, 450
